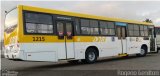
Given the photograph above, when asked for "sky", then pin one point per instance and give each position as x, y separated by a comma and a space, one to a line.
133, 10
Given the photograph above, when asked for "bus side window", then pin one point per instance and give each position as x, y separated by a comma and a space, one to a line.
77, 26
130, 30
123, 32
85, 29
60, 30
145, 30
111, 28
103, 28
38, 23
69, 30
119, 32
136, 30
94, 27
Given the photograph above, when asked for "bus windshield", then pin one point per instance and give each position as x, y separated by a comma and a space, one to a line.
11, 21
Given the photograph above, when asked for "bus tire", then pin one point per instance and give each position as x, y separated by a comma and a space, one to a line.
157, 50
90, 56
143, 52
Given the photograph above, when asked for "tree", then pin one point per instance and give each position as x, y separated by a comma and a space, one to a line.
148, 20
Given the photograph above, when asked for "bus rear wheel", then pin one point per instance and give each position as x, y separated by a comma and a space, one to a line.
157, 50
90, 56
143, 52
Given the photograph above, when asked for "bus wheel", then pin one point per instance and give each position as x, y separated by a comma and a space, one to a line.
157, 50
143, 52
90, 56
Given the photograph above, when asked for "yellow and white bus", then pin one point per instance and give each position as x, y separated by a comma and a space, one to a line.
39, 34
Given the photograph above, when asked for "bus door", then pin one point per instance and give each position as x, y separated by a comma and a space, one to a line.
65, 35
121, 33
152, 38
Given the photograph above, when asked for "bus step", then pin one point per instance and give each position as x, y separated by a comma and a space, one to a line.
123, 54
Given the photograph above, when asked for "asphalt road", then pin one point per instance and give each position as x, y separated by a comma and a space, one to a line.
150, 62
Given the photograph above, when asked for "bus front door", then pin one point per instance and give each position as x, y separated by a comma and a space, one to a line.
121, 32
152, 39
65, 37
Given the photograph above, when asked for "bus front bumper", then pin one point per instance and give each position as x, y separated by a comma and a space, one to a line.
12, 54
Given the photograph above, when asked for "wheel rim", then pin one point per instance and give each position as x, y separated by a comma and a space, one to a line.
142, 52
91, 56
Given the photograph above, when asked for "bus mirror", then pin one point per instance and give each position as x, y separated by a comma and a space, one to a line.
155, 33
6, 12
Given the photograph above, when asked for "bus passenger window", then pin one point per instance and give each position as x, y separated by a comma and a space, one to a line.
31, 28
60, 28
94, 27
69, 29
130, 29
77, 26
136, 30
119, 32
123, 32
103, 28
38, 23
85, 29
141, 30
111, 28
145, 31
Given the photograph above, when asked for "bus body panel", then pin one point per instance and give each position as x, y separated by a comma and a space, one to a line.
135, 44
104, 45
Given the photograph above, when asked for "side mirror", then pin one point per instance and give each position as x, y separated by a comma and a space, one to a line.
6, 12
155, 35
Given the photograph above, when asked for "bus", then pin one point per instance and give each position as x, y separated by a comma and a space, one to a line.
40, 34
157, 31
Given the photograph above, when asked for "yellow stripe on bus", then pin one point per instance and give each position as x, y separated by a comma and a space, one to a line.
53, 11
29, 38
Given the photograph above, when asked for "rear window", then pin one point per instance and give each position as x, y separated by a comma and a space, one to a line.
11, 21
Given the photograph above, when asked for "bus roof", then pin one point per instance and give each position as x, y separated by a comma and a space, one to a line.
53, 11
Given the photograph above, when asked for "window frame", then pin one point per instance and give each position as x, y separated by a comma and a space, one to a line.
144, 31
94, 26
24, 23
129, 24
111, 28
77, 27
133, 30
83, 26
107, 28
98, 27
136, 30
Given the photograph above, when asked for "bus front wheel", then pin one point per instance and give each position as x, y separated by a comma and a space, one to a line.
90, 56
157, 50
143, 52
